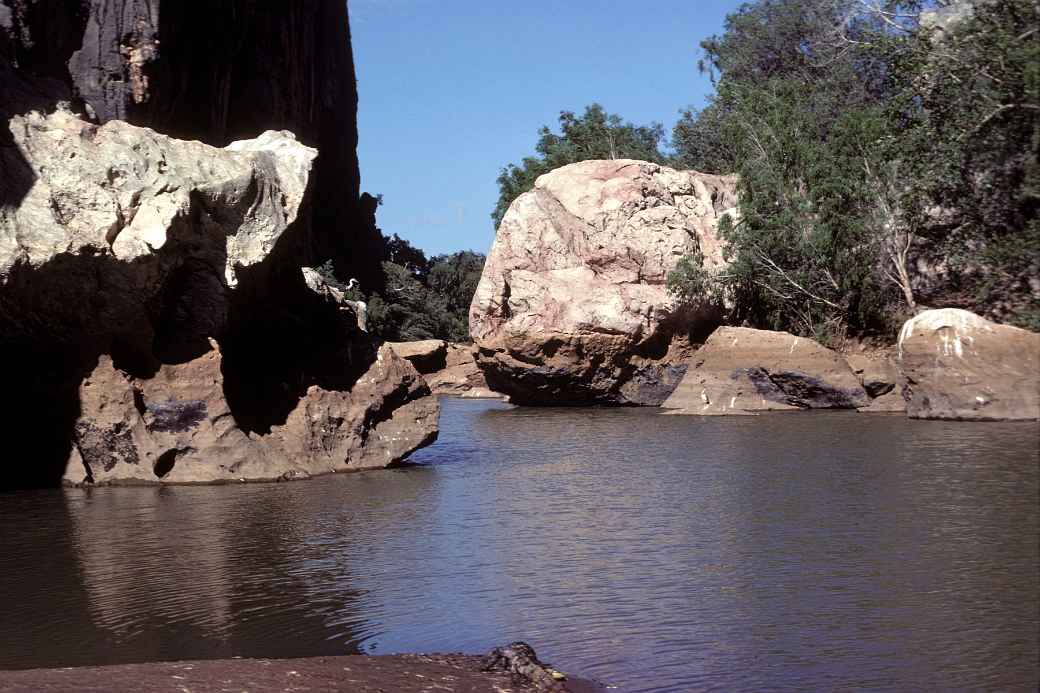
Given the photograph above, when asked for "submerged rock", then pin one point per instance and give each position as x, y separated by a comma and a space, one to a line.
740, 370
572, 306
961, 366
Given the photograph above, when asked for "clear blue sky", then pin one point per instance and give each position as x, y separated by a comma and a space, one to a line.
452, 90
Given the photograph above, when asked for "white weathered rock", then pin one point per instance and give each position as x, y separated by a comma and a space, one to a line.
149, 293
572, 303
127, 191
961, 366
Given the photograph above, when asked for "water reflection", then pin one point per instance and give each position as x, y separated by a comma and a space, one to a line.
655, 552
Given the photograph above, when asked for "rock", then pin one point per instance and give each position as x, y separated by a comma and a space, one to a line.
572, 304
745, 370
427, 355
127, 192
206, 72
461, 377
961, 366
880, 377
145, 298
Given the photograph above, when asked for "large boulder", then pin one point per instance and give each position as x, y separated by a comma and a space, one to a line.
961, 366
572, 306
741, 370
146, 298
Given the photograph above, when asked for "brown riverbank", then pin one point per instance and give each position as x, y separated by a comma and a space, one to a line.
355, 673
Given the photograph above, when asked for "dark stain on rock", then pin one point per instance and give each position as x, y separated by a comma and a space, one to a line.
105, 447
175, 416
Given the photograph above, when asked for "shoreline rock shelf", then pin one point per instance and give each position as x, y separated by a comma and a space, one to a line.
449, 369
740, 370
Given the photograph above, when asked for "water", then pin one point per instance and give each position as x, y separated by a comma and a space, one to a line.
782, 552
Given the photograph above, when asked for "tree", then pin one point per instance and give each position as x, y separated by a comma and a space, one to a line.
592, 135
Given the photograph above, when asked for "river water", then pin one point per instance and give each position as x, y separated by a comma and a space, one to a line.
803, 551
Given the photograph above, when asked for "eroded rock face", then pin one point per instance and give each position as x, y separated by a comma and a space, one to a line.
961, 366
880, 377
741, 370
207, 73
145, 297
572, 306
427, 355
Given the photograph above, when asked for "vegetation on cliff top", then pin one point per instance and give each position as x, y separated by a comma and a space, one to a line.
887, 153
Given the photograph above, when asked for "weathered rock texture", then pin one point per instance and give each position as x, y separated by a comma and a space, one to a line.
151, 296
126, 262
449, 369
880, 377
961, 366
572, 306
215, 72
740, 370
427, 355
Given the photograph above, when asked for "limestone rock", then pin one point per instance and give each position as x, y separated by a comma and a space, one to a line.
961, 366
127, 192
572, 302
880, 377
741, 370
461, 377
128, 260
427, 355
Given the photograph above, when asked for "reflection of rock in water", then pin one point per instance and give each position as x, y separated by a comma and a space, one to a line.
46, 614
205, 573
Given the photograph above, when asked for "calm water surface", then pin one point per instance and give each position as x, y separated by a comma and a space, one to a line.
783, 552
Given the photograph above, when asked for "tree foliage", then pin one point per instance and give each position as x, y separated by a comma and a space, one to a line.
873, 144
422, 298
592, 135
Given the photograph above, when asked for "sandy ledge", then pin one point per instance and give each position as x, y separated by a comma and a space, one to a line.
355, 673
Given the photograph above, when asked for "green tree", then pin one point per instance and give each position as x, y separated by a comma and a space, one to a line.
969, 100
592, 135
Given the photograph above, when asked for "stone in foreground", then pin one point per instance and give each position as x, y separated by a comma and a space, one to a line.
572, 306
741, 370
961, 366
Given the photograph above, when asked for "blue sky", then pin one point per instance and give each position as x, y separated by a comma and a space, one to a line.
452, 90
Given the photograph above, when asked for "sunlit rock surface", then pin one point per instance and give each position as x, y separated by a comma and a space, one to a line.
961, 366
741, 370
144, 295
572, 306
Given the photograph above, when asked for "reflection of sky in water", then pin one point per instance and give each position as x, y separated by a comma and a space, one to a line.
657, 552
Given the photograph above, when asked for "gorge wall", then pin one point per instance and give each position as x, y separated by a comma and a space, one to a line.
155, 322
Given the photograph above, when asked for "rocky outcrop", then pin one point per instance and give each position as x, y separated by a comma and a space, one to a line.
207, 72
427, 355
880, 377
178, 427
145, 295
741, 370
572, 306
449, 369
961, 366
